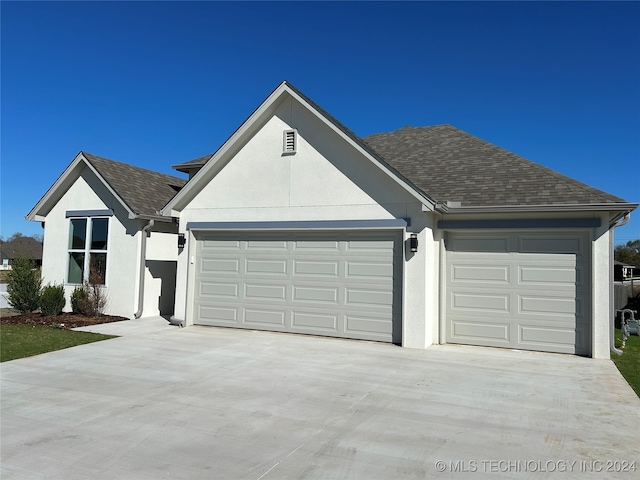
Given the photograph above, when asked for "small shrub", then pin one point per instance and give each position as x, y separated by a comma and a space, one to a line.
52, 300
79, 301
91, 298
23, 285
96, 294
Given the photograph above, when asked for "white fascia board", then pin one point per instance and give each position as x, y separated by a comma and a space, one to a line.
176, 204
66, 177
54, 193
586, 207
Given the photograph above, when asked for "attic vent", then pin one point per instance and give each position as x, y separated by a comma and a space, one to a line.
289, 143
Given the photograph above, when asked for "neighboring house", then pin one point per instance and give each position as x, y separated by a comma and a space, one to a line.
25, 247
418, 236
622, 271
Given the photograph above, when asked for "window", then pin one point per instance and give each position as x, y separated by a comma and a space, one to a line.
289, 142
88, 250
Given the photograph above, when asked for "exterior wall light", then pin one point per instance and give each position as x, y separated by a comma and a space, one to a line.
182, 241
413, 243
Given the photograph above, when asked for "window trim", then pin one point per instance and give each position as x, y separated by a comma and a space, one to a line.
87, 250
89, 213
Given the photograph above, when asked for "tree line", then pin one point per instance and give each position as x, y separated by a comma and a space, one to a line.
37, 236
629, 253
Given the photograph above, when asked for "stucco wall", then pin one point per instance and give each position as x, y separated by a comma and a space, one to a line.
602, 285
160, 274
327, 179
88, 193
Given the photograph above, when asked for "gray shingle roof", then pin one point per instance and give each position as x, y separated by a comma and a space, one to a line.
449, 164
144, 191
195, 163
27, 247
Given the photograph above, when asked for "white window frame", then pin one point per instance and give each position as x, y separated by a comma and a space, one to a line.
87, 250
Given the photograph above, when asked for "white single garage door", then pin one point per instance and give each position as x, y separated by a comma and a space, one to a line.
520, 290
341, 284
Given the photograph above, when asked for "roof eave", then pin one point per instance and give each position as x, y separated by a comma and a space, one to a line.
584, 207
36, 215
158, 217
186, 167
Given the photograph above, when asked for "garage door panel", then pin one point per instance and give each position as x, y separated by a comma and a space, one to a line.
220, 265
262, 245
548, 305
315, 268
270, 292
480, 331
550, 338
537, 293
368, 247
314, 321
219, 289
208, 243
362, 325
466, 272
340, 284
260, 317
265, 267
309, 247
369, 271
315, 294
551, 244
547, 275
478, 243
494, 303
215, 314
368, 298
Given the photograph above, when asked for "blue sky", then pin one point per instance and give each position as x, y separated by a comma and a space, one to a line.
155, 84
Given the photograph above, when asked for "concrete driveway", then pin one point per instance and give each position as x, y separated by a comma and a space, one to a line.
212, 403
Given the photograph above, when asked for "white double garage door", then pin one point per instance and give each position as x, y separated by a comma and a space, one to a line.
517, 290
341, 284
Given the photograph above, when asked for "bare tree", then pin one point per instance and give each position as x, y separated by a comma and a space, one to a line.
97, 298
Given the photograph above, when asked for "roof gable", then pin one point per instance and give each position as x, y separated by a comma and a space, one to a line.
211, 164
452, 165
140, 191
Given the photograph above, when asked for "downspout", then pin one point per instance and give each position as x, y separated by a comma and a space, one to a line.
143, 259
612, 330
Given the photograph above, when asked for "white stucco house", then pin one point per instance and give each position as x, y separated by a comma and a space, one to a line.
419, 236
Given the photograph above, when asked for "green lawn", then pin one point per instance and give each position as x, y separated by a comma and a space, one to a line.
629, 362
19, 341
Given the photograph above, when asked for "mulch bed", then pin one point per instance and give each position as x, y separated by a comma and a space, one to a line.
65, 320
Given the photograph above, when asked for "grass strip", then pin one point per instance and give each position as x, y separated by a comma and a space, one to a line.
20, 341
629, 362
